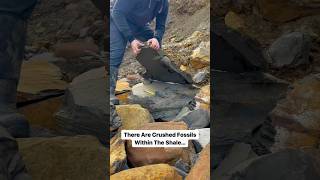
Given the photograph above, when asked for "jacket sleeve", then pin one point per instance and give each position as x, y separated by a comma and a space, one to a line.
161, 21
118, 14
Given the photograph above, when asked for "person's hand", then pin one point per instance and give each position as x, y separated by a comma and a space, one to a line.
136, 46
154, 43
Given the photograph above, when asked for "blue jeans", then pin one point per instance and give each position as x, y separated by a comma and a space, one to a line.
118, 45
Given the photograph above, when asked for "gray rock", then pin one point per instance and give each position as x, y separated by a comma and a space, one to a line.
235, 52
163, 100
284, 165
204, 138
290, 50
197, 119
242, 103
11, 162
239, 153
159, 67
85, 110
200, 77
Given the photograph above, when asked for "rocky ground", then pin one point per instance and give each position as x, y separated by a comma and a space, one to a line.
64, 63
149, 104
266, 82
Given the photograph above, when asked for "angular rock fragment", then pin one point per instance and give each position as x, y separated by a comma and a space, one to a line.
40, 75
235, 52
133, 116
159, 67
158, 171
163, 100
84, 112
197, 119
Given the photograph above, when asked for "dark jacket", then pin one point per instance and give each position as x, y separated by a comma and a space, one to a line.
21, 8
139, 13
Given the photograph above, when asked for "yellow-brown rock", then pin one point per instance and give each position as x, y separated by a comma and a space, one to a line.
61, 158
40, 75
285, 10
151, 172
42, 113
204, 95
201, 170
200, 57
146, 156
133, 116
122, 86
234, 20
296, 118
118, 156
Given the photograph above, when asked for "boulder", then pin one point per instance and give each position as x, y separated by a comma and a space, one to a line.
146, 156
290, 50
200, 57
296, 118
84, 112
133, 116
58, 158
118, 156
201, 170
158, 171
163, 100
